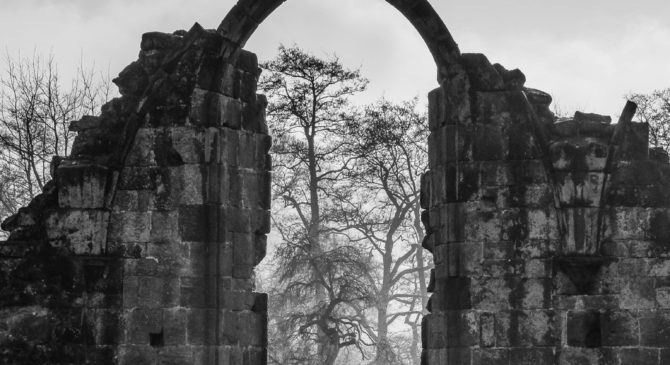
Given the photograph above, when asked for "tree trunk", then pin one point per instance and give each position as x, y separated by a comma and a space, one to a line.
385, 354
329, 346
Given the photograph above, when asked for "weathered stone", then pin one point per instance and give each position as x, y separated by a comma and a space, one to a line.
537, 97
158, 40
132, 81
483, 76
86, 122
514, 79
551, 240
82, 186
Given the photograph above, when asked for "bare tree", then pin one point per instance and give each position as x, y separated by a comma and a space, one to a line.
654, 108
323, 277
385, 216
36, 108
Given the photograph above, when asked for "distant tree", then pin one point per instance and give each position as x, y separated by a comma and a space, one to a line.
323, 279
385, 215
654, 108
36, 107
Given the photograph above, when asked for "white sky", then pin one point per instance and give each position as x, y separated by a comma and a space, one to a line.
586, 53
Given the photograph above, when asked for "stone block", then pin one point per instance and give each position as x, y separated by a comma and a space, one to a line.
237, 301
188, 184
634, 293
142, 322
433, 332
130, 227
436, 108
655, 329
640, 356
489, 356
488, 143
137, 355
663, 297
462, 328
665, 356
247, 150
454, 294
158, 292
141, 178
487, 328
532, 356
260, 248
193, 145
126, 200
198, 292
201, 328
537, 248
425, 197
527, 328
534, 293
248, 86
481, 225
521, 143
502, 108
83, 231
619, 328
243, 220
498, 250
229, 146
514, 225
217, 182
514, 79
465, 258
537, 268
213, 109
251, 188
483, 76
142, 153
164, 227
131, 286
219, 77
635, 144
197, 261
244, 328
175, 326
263, 145
491, 294
195, 222
81, 186
630, 223
584, 329
578, 356
176, 355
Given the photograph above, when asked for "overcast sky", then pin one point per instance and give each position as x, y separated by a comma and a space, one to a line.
586, 53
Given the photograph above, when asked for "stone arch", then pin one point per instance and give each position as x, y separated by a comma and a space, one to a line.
245, 17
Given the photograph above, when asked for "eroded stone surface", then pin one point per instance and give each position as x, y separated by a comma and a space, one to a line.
550, 234
151, 228
550, 238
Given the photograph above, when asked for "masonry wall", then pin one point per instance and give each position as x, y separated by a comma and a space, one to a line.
548, 235
142, 248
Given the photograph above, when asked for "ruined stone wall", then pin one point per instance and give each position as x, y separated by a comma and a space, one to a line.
142, 248
549, 236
